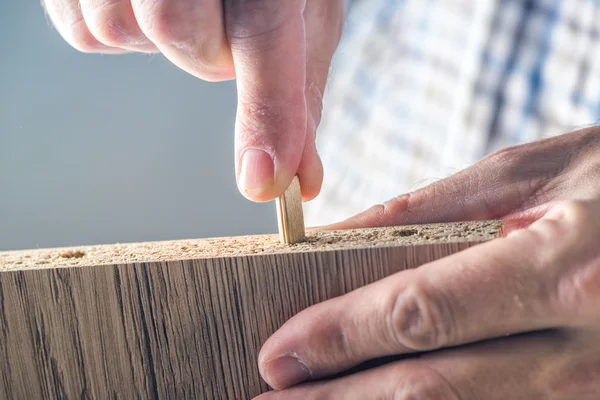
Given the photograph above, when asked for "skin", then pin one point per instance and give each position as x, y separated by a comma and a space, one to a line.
279, 52
516, 317
513, 318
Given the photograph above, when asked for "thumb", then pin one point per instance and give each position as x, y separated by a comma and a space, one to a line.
268, 44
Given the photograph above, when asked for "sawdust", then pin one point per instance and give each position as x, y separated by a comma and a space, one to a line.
476, 231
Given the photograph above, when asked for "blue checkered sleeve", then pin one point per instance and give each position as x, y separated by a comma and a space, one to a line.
420, 89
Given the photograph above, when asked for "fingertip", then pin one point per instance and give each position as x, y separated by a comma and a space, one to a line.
257, 174
279, 364
285, 371
375, 216
392, 212
261, 178
310, 174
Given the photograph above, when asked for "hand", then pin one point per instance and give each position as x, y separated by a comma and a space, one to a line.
515, 184
516, 317
279, 51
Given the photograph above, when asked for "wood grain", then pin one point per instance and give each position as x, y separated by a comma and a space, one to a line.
183, 319
290, 215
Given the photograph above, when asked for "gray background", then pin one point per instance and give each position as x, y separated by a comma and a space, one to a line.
103, 149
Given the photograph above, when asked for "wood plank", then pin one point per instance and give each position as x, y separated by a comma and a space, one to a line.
183, 319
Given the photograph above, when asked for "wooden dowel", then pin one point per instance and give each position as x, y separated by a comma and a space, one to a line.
290, 215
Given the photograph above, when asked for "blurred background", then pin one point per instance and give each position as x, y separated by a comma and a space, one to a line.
104, 149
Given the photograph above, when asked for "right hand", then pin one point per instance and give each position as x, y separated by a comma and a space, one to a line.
278, 50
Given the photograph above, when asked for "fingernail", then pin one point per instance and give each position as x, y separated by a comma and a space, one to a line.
257, 172
286, 371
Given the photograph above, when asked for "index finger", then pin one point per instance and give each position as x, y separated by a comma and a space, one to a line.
491, 290
268, 44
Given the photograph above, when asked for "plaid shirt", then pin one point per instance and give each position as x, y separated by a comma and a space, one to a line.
420, 89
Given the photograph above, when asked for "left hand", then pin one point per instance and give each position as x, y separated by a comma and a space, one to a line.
517, 317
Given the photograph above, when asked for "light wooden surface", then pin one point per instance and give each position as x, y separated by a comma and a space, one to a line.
183, 319
290, 215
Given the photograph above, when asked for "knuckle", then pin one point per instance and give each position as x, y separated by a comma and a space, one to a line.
502, 157
214, 55
577, 213
567, 224
185, 27
379, 214
423, 384
252, 24
164, 23
69, 22
578, 293
255, 113
572, 258
113, 27
541, 233
579, 284
81, 39
264, 120
426, 193
420, 321
340, 345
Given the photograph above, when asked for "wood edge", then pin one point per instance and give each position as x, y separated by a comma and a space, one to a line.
247, 246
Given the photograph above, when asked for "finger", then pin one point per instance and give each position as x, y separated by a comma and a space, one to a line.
508, 181
310, 170
541, 365
113, 23
498, 288
323, 20
190, 33
67, 18
267, 39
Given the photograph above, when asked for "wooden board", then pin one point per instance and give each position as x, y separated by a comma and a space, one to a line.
183, 319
